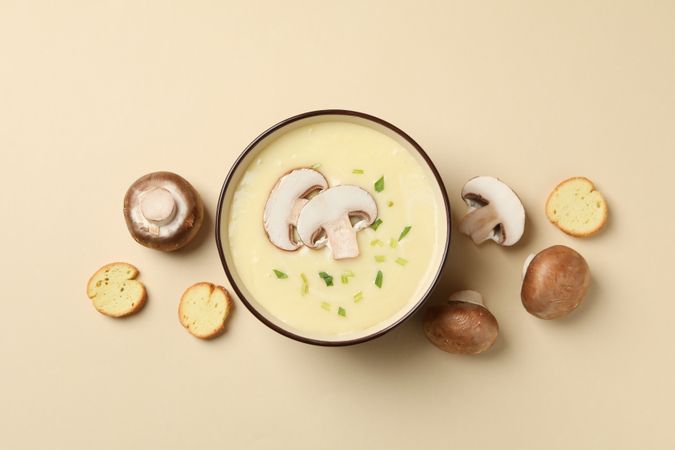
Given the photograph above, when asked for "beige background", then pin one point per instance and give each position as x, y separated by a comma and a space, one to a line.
94, 94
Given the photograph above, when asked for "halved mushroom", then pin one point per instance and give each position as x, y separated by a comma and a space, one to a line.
287, 198
495, 212
555, 282
163, 211
327, 219
463, 325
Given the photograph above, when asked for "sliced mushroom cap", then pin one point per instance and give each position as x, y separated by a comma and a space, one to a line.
463, 325
555, 282
495, 212
285, 202
326, 219
163, 211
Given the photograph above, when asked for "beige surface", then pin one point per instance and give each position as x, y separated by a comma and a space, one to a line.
94, 94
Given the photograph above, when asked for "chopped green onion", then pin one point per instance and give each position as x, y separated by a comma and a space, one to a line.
393, 243
325, 305
358, 297
377, 242
405, 231
380, 258
305, 284
390, 203
280, 275
378, 279
342, 312
345, 276
401, 261
315, 166
326, 278
376, 224
379, 184
358, 171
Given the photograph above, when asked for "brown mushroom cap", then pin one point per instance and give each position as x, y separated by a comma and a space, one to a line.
555, 282
462, 327
163, 211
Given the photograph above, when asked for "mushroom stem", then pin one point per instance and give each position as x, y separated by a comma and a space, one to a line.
480, 223
158, 206
467, 297
342, 238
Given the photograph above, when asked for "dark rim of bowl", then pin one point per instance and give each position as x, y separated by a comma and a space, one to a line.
254, 144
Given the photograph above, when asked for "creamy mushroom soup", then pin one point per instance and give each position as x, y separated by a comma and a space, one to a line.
336, 227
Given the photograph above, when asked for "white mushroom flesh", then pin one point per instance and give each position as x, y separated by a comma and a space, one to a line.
285, 202
526, 265
495, 212
158, 206
326, 219
160, 210
468, 297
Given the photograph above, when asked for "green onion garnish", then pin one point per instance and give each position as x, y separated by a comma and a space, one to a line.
358, 297
401, 261
377, 242
378, 279
280, 275
376, 224
345, 276
342, 312
326, 278
390, 203
405, 231
315, 166
379, 184
305, 284
393, 243
379, 258
358, 171
325, 305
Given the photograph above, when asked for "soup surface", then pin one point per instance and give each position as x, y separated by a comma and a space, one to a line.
308, 289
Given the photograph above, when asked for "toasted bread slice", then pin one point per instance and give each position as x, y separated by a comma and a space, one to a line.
204, 309
114, 290
577, 208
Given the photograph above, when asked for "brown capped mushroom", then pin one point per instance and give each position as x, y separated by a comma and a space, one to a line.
327, 219
463, 325
495, 212
163, 211
286, 200
555, 282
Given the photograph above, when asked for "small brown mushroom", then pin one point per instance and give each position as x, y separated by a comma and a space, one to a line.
463, 325
555, 282
495, 212
163, 211
327, 219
